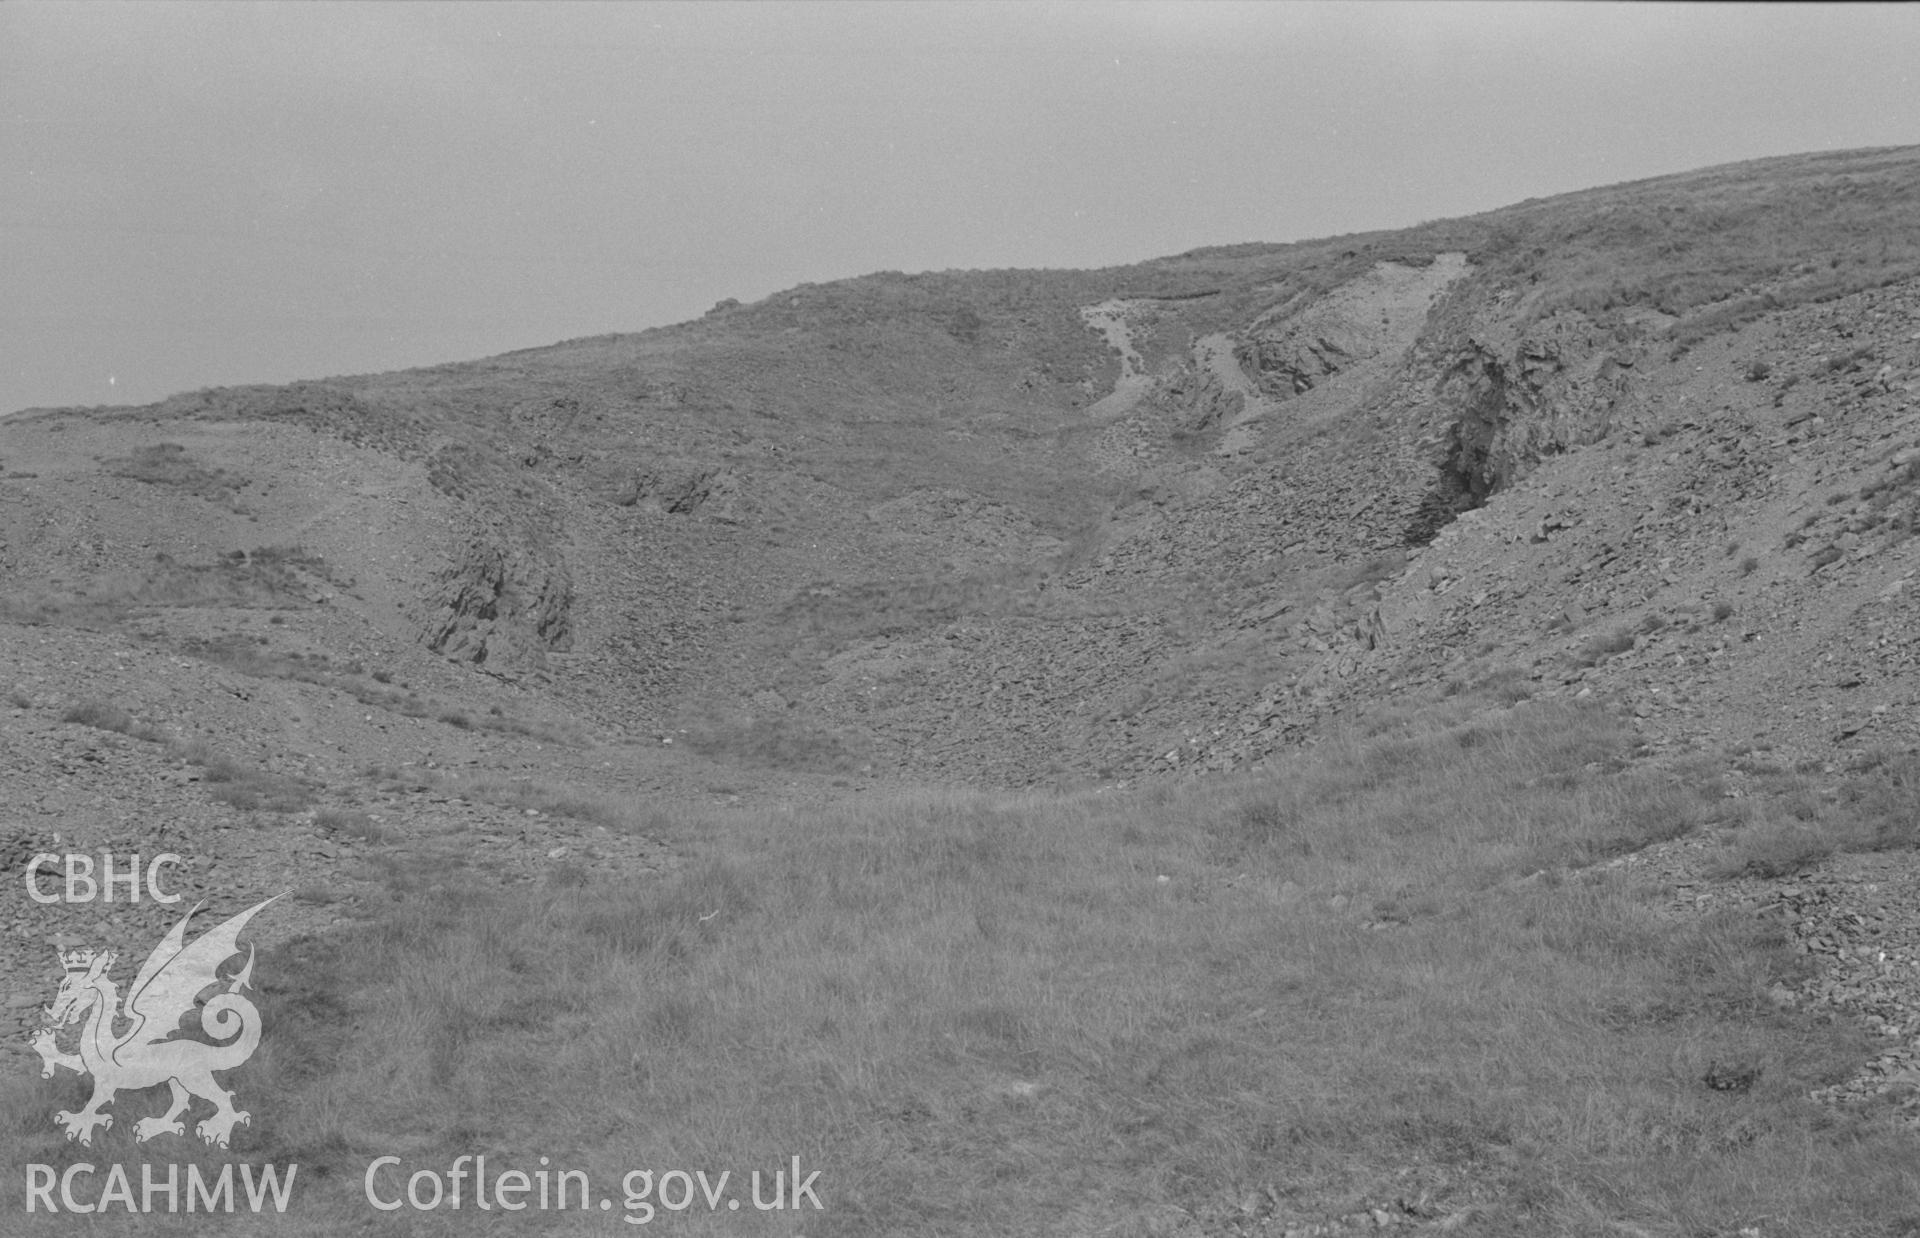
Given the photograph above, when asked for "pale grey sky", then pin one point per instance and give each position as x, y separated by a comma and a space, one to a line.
204, 194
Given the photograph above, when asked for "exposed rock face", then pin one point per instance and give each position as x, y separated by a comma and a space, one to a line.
1294, 366
1290, 350
1183, 386
987, 524
676, 490
501, 609
1504, 400
1480, 456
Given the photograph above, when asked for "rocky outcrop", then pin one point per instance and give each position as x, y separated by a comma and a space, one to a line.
1294, 365
1504, 400
676, 490
1292, 349
502, 609
1481, 453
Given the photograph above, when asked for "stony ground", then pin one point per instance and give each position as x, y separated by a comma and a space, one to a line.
995, 529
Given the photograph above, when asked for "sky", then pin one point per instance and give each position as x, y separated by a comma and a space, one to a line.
197, 195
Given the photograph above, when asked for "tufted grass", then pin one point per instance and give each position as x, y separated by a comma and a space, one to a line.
1392, 975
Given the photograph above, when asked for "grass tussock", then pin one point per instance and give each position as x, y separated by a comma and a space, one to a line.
269, 577
106, 717
1599, 648
228, 781
252, 657
350, 823
169, 465
791, 740
1345, 986
244, 787
1797, 818
614, 812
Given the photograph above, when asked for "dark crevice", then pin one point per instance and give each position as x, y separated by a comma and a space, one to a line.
1476, 463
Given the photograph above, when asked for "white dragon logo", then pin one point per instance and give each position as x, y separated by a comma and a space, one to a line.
164, 993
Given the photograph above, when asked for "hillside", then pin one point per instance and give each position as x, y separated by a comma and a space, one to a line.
1652, 447
1015, 526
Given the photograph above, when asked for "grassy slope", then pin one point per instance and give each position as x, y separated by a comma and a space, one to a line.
1385, 978
988, 1014
827, 402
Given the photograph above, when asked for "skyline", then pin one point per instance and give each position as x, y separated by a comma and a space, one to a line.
211, 195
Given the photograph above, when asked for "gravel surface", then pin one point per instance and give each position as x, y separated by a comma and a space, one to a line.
73, 789
1856, 917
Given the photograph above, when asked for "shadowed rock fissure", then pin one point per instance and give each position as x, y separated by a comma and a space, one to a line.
1476, 462
500, 609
